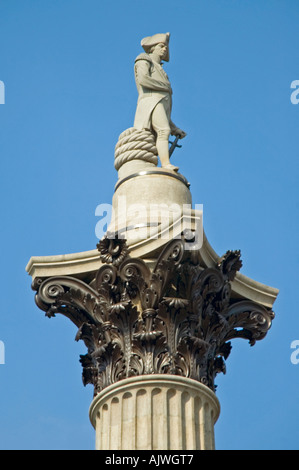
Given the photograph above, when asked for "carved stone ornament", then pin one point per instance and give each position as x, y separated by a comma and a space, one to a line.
177, 318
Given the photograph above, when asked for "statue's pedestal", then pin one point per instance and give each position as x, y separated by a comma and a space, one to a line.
147, 202
155, 412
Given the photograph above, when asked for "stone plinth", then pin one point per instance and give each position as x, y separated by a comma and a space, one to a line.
157, 412
136, 216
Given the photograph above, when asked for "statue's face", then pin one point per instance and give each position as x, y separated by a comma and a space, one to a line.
161, 49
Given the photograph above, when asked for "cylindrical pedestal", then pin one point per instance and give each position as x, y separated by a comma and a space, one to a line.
155, 412
146, 203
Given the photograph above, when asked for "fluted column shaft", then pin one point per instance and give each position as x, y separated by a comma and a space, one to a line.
155, 412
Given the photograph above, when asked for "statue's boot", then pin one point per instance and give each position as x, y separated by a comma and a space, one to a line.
163, 152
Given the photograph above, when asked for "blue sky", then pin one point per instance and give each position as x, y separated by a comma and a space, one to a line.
67, 66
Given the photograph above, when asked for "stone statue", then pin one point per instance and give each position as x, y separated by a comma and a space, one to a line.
154, 104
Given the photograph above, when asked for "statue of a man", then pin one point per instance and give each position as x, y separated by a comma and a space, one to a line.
154, 104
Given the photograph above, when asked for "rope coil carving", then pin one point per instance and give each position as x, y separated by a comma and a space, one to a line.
135, 144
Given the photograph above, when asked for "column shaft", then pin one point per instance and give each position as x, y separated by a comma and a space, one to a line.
155, 412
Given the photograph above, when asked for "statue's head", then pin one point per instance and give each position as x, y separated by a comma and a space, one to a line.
159, 43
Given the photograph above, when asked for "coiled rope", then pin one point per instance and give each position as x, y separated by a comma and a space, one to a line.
135, 144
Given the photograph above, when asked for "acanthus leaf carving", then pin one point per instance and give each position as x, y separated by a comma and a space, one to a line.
113, 249
177, 318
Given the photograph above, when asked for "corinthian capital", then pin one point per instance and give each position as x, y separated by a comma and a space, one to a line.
175, 318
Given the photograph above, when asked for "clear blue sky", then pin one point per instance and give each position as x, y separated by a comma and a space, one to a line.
67, 66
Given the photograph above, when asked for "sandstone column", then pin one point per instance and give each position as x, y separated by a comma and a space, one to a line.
156, 307
156, 412
157, 334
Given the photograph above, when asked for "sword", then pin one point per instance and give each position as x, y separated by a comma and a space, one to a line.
174, 144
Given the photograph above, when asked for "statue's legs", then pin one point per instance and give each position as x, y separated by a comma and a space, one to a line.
160, 124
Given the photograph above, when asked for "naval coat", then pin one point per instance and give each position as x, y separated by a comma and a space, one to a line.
153, 87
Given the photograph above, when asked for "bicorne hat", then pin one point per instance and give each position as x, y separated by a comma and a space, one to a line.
150, 41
